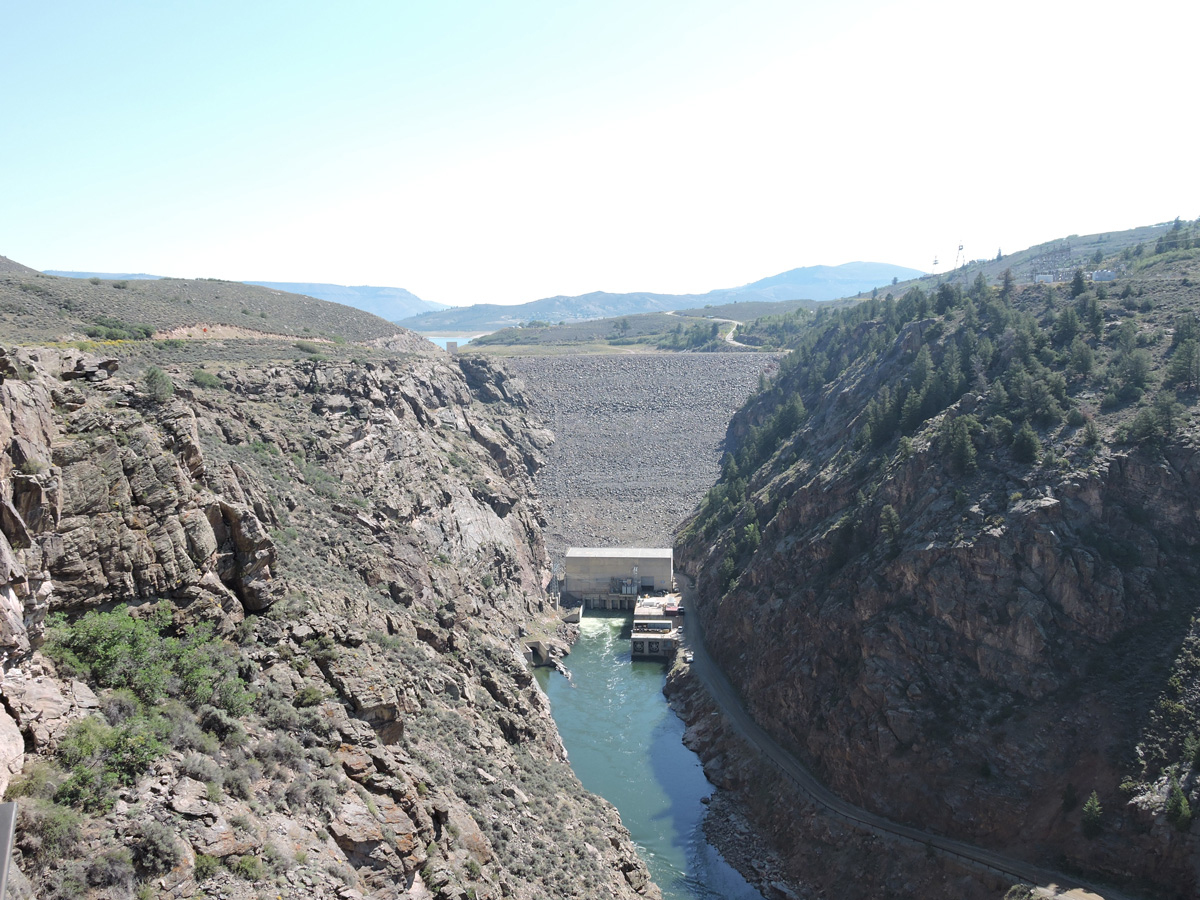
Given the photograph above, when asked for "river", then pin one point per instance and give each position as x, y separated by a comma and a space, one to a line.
626, 744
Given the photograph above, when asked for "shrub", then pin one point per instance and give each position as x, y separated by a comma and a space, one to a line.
156, 849
202, 768
204, 379
120, 651
324, 794
296, 794
206, 866
110, 329
248, 867
307, 347
101, 757
158, 384
284, 750
39, 780
217, 721
308, 696
278, 714
46, 831
120, 706
67, 881
237, 783
113, 869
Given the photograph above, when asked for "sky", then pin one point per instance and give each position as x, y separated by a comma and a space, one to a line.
502, 152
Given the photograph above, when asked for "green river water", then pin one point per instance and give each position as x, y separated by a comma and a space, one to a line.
625, 744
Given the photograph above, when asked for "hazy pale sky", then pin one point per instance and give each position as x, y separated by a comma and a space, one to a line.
502, 152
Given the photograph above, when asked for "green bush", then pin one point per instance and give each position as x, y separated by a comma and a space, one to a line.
107, 328
156, 849
47, 832
248, 867
158, 384
206, 866
308, 696
204, 379
100, 757
119, 651
307, 347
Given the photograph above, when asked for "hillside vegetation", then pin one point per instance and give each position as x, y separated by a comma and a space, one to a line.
808, 282
700, 329
262, 607
37, 307
963, 517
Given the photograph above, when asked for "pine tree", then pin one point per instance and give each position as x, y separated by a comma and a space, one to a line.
889, 526
962, 448
1179, 811
1093, 816
1006, 284
1025, 446
1078, 283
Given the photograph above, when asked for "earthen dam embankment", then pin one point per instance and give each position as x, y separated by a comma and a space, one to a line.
638, 439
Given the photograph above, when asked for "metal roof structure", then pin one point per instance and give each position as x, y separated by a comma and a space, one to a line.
620, 552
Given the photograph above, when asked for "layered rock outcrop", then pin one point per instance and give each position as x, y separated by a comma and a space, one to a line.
364, 538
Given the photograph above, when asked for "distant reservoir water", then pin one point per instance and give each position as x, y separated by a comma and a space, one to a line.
626, 744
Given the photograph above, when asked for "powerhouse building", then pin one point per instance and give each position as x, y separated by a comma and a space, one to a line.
614, 577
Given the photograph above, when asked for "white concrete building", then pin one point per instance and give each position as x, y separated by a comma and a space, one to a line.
613, 577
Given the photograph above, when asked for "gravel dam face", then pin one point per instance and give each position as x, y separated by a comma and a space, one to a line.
638, 439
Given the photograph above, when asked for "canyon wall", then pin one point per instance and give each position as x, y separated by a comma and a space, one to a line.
363, 542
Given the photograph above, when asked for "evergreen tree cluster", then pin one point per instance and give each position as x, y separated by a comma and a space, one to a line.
1004, 367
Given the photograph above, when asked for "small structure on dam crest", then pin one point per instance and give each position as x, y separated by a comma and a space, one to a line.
614, 577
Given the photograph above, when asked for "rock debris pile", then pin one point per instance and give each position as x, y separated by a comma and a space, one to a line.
639, 439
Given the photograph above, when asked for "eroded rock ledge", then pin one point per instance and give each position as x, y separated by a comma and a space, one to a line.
366, 537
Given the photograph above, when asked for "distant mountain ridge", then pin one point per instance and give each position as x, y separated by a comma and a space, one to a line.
805, 283
389, 303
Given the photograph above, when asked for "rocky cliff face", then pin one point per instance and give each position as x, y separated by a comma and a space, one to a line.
361, 542
969, 648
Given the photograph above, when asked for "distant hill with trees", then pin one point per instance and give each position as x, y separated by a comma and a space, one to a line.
807, 283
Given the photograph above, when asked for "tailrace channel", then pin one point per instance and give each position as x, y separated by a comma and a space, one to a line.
626, 744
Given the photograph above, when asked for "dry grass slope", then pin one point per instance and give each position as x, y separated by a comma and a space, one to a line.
38, 307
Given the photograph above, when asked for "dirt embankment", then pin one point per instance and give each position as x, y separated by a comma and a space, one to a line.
638, 439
